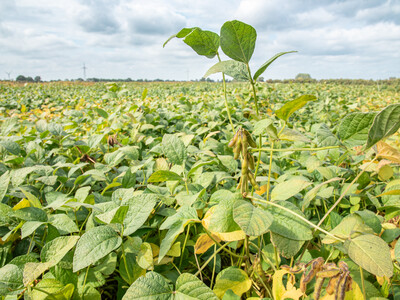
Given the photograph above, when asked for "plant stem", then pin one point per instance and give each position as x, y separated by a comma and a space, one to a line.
362, 283
213, 271
226, 98
184, 245
198, 266
293, 149
258, 161
254, 88
298, 216
210, 258
269, 169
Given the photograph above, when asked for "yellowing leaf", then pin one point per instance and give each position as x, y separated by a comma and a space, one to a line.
234, 279
278, 288
22, 204
385, 173
204, 242
388, 152
262, 189
210, 135
220, 216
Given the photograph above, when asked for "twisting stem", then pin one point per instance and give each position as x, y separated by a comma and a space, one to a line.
226, 98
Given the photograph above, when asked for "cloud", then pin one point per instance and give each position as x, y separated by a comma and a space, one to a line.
123, 38
98, 17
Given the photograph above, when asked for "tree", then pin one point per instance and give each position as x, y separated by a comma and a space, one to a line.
303, 76
38, 79
20, 78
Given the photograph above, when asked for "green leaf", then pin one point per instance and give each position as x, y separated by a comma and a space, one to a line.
181, 34
4, 182
163, 175
33, 270
354, 128
54, 251
10, 279
150, 286
372, 254
286, 247
189, 285
11, 147
234, 279
176, 224
386, 123
129, 269
31, 198
253, 220
63, 224
174, 149
289, 188
290, 107
397, 252
140, 207
94, 245
238, 40
50, 288
29, 227
145, 257
219, 220
203, 42
101, 112
261, 126
288, 225
31, 214
232, 68
265, 65
350, 224
325, 137
371, 220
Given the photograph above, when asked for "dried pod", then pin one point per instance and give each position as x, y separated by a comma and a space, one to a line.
316, 266
332, 283
342, 286
318, 287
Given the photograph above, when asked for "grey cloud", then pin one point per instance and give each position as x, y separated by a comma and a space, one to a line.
156, 20
99, 17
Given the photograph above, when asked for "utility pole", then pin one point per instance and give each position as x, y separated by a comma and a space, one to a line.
8, 73
84, 71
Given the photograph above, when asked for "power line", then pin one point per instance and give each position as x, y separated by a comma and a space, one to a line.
84, 71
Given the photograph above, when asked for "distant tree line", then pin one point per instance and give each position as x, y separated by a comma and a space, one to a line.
22, 78
301, 77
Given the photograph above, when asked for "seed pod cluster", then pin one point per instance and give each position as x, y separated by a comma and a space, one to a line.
240, 144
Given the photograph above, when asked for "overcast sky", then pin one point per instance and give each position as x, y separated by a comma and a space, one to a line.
123, 38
